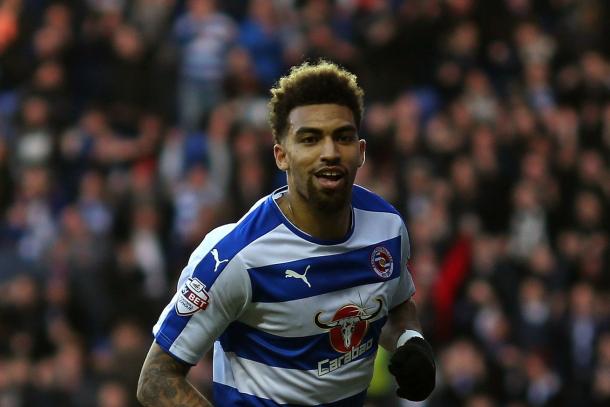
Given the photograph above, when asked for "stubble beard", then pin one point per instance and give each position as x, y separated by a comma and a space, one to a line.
331, 202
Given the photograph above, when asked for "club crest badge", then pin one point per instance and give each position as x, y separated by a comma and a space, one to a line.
382, 262
192, 297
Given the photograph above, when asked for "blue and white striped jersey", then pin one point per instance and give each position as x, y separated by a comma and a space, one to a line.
293, 320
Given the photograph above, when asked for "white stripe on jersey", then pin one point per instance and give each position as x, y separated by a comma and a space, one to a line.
282, 246
291, 386
296, 318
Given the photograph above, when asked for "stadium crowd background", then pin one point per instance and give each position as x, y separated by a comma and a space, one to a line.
129, 129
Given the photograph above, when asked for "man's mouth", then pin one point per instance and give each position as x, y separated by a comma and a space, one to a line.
330, 178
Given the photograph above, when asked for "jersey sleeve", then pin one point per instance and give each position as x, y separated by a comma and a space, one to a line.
210, 295
405, 288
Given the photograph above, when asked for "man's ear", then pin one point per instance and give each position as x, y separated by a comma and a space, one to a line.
280, 157
362, 153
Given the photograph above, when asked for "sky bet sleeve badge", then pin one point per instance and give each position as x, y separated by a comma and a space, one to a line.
192, 297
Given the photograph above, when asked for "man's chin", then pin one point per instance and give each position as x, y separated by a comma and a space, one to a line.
331, 201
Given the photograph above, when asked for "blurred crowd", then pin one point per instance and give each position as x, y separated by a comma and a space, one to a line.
130, 128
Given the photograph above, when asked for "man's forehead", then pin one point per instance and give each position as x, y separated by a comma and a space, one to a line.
320, 115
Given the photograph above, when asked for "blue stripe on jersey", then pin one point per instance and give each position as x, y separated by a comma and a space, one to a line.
256, 224
325, 274
301, 353
366, 200
230, 397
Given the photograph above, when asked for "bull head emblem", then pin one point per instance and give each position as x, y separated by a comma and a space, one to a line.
348, 322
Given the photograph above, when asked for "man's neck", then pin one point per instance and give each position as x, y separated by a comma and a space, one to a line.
319, 224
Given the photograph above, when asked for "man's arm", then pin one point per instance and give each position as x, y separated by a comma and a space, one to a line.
412, 363
163, 382
400, 318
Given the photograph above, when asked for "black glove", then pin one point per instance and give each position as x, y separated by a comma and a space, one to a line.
413, 366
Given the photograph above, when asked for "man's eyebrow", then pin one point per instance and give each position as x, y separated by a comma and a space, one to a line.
305, 130
315, 130
347, 127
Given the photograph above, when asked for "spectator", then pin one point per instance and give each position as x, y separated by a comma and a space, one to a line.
261, 34
203, 35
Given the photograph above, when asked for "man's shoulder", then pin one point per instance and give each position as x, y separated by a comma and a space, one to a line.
222, 246
367, 200
259, 220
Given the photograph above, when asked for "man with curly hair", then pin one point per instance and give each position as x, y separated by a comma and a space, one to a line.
296, 296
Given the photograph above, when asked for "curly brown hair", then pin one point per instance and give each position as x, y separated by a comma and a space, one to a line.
311, 84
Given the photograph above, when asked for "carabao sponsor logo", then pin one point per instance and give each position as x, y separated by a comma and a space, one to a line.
346, 329
330, 365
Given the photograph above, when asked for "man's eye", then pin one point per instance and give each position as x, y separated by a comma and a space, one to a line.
308, 140
346, 138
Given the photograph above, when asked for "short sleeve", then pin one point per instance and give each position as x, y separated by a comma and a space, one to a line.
207, 300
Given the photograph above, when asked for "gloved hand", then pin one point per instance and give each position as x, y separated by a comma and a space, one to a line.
414, 368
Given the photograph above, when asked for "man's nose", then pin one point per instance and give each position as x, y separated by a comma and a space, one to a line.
329, 149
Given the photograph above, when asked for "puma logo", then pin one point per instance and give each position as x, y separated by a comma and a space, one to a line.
294, 274
218, 262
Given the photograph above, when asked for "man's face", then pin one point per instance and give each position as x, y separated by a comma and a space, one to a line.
321, 153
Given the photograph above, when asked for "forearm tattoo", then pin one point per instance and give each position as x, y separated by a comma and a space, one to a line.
163, 383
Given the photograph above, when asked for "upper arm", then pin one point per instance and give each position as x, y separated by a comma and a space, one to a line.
403, 312
405, 288
400, 318
163, 382
159, 362
158, 368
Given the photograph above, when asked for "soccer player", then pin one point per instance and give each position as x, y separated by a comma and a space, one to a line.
296, 296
